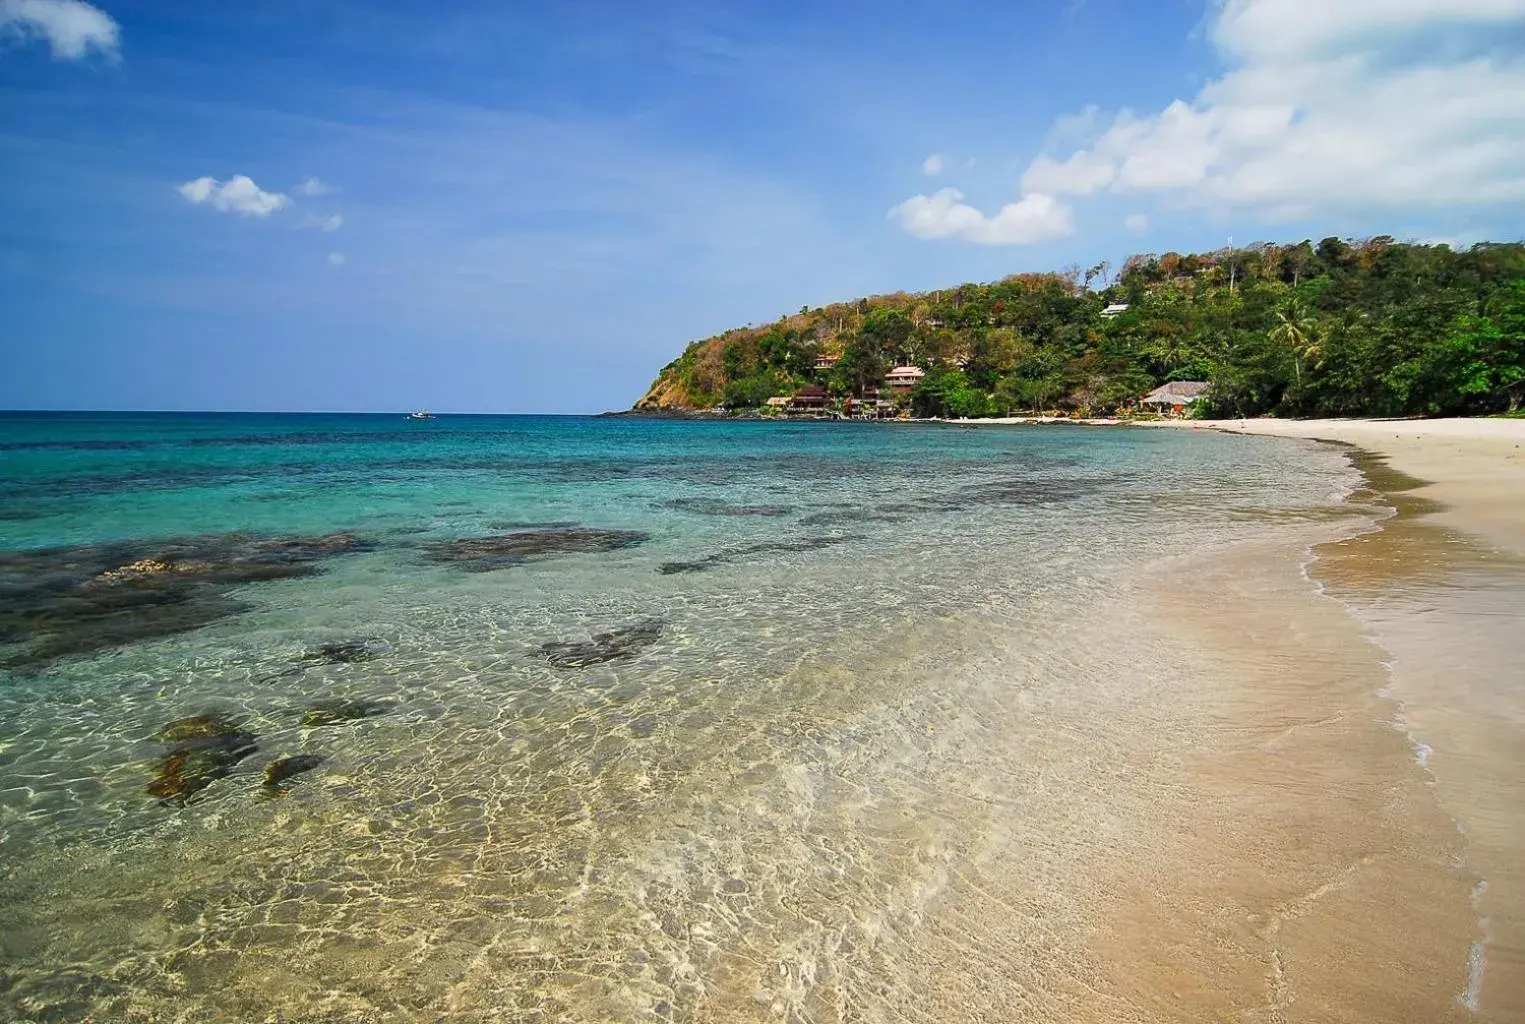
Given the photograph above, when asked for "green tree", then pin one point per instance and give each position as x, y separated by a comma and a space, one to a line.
1480, 364
1376, 328
750, 392
864, 363
949, 393
1297, 331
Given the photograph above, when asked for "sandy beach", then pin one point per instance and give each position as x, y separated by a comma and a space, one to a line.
1356, 785
1438, 588
1362, 851
1474, 467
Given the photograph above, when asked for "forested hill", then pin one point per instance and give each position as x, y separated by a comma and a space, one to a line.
1338, 328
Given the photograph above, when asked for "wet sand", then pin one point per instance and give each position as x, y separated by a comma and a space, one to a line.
1312, 876
1241, 831
1439, 588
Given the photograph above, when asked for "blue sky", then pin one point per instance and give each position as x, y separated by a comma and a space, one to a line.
266, 204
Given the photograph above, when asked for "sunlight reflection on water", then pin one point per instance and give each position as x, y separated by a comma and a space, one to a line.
745, 813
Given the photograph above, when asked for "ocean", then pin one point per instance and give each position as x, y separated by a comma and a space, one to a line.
618, 719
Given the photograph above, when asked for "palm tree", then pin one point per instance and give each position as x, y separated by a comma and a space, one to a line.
1170, 349
1298, 330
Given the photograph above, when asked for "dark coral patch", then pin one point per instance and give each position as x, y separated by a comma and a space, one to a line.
604, 647
283, 770
501, 551
342, 711
345, 652
801, 544
186, 771
57, 602
196, 728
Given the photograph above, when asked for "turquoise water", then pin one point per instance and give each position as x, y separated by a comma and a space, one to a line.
716, 759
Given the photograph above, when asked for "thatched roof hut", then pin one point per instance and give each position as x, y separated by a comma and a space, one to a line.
1176, 394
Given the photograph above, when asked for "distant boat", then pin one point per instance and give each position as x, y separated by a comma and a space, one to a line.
421, 415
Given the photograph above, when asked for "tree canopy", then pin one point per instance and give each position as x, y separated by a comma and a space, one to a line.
1369, 327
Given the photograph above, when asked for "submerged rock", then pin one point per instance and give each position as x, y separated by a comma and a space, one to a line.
604, 647
716, 507
484, 554
746, 551
186, 772
849, 517
675, 568
197, 727
145, 567
525, 524
287, 768
340, 712
344, 652
58, 602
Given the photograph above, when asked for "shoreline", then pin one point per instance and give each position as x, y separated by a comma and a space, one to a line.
1475, 468
1357, 844
1435, 588
1202, 784
1272, 897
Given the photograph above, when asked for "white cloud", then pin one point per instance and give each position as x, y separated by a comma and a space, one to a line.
932, 166
1360, 104
1034, 218
238, 194
72, 28
200, 190
1080, 175
315, 187
334, 223
336, 259
1293, 30
1077, 126
1136, 222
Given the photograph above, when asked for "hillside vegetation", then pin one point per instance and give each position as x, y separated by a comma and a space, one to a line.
1341, 328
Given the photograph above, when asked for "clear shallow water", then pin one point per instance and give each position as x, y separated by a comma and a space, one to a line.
869, 657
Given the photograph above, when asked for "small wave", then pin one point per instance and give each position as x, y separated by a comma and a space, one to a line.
1476, 960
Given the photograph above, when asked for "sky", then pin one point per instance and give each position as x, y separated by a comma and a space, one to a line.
480, 206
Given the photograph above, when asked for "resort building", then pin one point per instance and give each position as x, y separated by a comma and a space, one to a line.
1116, 309
868, 405
826, 361
903, 378
778, 402
1175, 397
869, 409
810, 398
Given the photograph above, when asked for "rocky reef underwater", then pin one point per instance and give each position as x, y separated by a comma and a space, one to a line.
87, 600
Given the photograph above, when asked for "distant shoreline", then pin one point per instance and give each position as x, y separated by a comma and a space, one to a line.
1248, 425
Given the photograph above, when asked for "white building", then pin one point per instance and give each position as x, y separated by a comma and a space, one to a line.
904, 378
